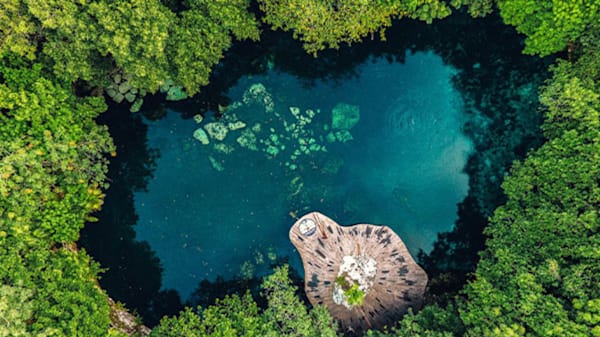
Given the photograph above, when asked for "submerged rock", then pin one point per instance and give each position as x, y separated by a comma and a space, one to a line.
119, 97
223, 148
332, 165
330, 137
130, 97
344, 116
247, 140
256, 127
124, 87
137, 105
111, 92
216, 130
176, 93
236, 125
295, 111
165, 86
272, 150
215, 164
257, 93
201, 136
343, 136
198, 119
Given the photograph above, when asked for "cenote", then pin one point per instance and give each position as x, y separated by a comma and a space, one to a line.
443, 113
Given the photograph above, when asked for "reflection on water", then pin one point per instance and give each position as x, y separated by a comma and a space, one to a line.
209, 208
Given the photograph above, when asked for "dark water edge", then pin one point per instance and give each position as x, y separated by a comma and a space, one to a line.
498, 84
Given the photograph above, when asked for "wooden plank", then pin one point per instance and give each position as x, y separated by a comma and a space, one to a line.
399, 282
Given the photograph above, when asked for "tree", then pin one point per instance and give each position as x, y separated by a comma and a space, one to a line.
287, 315
549, 25
52, 169
15, 309
321, 24
201, 36
143, 39
237, 315
16, 29
540, 273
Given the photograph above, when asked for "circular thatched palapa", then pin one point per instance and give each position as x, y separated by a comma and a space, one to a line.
368, 260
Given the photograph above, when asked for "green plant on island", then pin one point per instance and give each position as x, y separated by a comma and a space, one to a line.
342, 282
352, 293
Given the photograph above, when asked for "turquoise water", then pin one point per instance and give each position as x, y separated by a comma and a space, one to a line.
402, 167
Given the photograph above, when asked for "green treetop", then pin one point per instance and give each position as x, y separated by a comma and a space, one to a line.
540, 274
233, 316
89, 40
324, 24
52, 169
549, 25
321, 24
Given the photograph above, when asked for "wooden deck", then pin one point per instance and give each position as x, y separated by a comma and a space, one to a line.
399, 282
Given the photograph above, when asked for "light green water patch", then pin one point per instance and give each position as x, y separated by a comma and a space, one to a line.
384, 147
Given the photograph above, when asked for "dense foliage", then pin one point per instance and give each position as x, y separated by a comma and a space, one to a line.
540, 273
549, 25
237, 315
90, 40
324, 24
538, 276
52, 169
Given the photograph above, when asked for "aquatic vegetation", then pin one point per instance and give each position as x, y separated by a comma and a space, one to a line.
216, 164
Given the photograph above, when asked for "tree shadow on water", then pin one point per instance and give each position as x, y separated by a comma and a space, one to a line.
208, 292
133, 271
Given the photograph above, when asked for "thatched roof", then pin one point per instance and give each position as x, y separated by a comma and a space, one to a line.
398, 283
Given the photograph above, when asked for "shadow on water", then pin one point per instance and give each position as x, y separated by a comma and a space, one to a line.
498, 85
133, 274
208, 292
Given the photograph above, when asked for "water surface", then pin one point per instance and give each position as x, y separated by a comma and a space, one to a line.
403, 168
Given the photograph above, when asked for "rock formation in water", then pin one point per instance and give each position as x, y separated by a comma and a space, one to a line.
363, 274
288, 136
344, 116
201, 136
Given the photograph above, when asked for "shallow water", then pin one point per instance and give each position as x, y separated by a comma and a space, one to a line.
403, 168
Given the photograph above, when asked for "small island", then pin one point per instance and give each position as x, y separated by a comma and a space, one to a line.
363, 274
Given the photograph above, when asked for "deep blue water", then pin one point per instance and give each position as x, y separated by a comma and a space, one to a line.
403, 168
